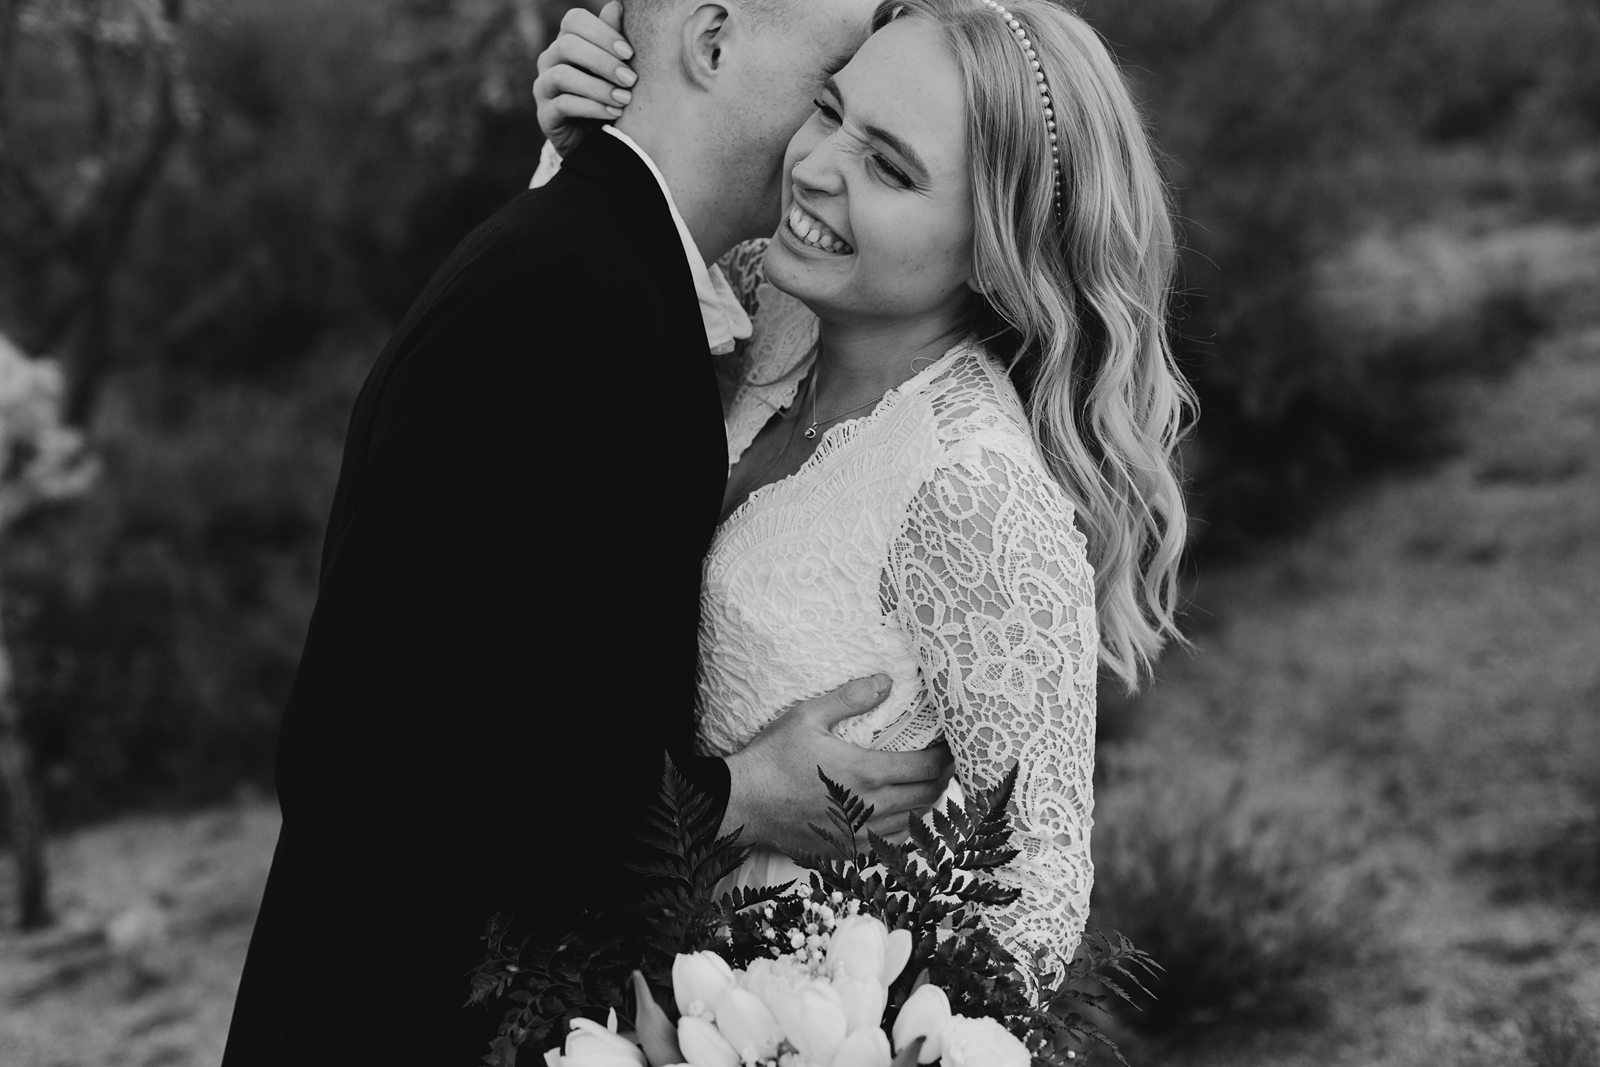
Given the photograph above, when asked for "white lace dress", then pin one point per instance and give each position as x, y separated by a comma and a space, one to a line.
927, 541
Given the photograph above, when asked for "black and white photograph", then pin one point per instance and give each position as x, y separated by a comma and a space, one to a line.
800, 533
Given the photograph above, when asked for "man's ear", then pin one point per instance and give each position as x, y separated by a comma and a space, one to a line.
705, 35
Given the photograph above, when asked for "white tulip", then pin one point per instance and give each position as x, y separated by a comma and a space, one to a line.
864, 1048
923, 1015
698, 979
896, 954
814, 1021
774, 981
857, 947
981, 1043
748, 1024
864, 1000
591, 1045
703, 1046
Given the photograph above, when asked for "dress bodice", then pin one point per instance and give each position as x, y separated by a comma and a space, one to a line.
925, 540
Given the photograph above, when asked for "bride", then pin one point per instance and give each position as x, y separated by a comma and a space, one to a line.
952, 434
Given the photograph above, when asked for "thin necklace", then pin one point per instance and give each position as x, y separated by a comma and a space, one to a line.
811, 431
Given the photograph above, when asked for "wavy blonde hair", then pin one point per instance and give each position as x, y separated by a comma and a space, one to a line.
1080, 304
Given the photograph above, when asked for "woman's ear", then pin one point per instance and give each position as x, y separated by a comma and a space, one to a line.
704, 37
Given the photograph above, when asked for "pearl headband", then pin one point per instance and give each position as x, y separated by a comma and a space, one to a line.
1044, 93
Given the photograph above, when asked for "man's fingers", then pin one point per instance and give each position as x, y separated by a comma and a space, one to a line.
894, 832
930, 766
895, 802
849, 699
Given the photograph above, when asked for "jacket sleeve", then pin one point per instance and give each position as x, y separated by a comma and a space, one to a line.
511, 647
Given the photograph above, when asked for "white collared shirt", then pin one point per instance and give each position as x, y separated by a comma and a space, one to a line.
724, 318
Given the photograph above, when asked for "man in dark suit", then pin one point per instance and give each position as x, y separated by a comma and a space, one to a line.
504, 641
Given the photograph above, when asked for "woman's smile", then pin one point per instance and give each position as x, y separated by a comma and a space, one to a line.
814, 233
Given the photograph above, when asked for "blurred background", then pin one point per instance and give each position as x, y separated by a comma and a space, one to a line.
1359, 823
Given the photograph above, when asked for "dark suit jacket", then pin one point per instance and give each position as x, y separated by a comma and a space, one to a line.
504, 640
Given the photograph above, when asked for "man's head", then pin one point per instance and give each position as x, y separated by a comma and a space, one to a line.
743, 75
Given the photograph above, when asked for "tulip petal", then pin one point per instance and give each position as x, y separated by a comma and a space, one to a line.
748, 1024
655, 1030
910, 1054
703, 1046
897, 953
698, 979
814, 1020
856, 947
923, 1015
591, 1045
864, 1001
864, 1048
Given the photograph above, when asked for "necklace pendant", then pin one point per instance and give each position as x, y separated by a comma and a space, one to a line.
811, 432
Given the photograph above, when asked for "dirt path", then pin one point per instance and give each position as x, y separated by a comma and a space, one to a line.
155, 914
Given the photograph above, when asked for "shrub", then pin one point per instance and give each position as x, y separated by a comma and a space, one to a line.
1244, 908
1556, 1033
1280, 118
156, 628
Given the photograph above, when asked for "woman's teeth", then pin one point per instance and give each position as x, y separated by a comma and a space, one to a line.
816, 234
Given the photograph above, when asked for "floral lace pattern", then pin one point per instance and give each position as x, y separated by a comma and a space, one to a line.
925, 540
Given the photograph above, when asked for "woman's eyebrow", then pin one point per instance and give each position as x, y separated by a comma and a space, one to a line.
878, 133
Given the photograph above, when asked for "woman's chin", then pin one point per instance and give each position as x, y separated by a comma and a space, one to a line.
805, 273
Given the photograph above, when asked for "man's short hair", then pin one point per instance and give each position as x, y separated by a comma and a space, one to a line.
643, 21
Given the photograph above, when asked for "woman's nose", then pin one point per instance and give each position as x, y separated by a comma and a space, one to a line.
818, 170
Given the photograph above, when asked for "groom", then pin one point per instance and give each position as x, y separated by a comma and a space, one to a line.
504, 641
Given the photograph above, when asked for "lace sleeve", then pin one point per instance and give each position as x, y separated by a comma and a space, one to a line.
742, 265
990, 576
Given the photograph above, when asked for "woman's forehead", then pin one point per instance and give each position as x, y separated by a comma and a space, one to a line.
905, 81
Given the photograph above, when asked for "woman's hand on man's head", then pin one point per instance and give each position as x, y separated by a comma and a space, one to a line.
583, 75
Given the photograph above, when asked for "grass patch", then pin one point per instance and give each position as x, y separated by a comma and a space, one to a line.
1556, 1033
1559, 864
1243, 906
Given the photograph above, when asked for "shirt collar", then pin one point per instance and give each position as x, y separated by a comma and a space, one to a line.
724, 317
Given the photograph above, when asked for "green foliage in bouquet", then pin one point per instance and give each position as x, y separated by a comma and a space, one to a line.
584, 973
934, 886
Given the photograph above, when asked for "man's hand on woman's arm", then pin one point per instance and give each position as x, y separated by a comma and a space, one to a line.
774, 791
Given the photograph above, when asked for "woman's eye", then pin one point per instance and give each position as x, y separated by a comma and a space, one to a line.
829, 115
890, 171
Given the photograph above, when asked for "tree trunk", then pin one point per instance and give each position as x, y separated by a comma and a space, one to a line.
25, 813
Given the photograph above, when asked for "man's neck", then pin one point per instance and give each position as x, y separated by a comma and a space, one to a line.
679, 150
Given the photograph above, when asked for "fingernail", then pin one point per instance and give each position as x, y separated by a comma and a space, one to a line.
613, 111
626, 76
621, 96
862, 689
881, 683
623, 49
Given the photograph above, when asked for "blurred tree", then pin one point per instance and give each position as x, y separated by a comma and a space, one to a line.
41, 461
75, 176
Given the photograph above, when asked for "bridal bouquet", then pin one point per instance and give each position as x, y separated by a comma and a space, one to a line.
880, 960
